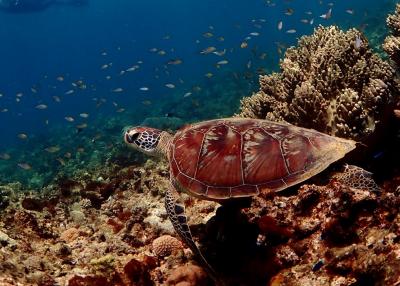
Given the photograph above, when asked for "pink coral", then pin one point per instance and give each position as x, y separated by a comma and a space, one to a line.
166, 245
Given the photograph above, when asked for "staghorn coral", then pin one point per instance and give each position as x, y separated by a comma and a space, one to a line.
165, 245
331, 82
391, 44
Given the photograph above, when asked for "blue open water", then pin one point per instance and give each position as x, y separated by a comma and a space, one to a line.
96, 39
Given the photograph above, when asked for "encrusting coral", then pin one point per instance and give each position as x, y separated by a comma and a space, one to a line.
331, 82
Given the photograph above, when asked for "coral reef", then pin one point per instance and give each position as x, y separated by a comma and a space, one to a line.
331, 82
80, 231
391, 44
317, 235
165, 245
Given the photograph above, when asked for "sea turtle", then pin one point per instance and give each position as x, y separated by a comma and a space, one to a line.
231, 158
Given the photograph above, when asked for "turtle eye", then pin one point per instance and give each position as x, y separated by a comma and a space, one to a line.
132, 138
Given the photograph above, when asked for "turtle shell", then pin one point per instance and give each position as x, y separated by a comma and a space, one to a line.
236, 157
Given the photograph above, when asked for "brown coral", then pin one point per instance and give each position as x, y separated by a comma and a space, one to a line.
392, 42
188, 275
165, 245
328, 83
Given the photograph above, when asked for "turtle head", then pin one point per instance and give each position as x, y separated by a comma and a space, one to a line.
148, 140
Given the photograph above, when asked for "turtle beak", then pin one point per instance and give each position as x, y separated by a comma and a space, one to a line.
130, 138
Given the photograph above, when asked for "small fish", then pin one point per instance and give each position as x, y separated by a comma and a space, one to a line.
146, 102
84, 115
209, 75
34, 90
350, 11
20, 94
108, 77
41, 106
327, 15
153, 50
24, 166
22, 136
120, 110
223, 62
71, 91
221, 39
289, 11
61, 161
104, 54
248, 65
219, 53
304, 21
280, 25
117, 90
132, 68
56, 98
208, 35
52, 149
312, 21
68, 155
358, 42
170, 85
69, 118
208, 50
4, 110
105, 66
187, 94
255, 34
291, 31
82, 126
243, 45
161, 53
60, 78
318, 265
175, 62
5, 156
144, 88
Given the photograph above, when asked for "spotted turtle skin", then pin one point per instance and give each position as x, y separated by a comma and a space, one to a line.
236, 157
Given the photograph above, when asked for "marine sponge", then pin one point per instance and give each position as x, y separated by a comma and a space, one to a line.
165, 245
392, 42
331, 82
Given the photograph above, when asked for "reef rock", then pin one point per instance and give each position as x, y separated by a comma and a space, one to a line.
332, 82
188, 275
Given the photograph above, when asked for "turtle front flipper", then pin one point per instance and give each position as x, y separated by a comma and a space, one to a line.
176, 213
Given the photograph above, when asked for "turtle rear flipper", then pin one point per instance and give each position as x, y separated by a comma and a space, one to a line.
176, 213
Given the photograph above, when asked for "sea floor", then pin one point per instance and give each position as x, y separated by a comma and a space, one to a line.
110, 228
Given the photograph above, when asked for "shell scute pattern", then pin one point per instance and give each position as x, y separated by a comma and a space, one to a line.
226, 158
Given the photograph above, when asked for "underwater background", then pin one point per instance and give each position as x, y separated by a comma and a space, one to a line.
74, 74
78, 207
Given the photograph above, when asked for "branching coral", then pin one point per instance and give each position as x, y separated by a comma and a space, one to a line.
331, 82
392, 42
